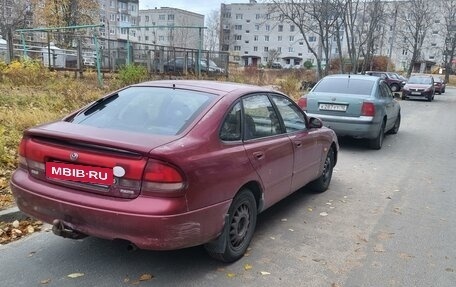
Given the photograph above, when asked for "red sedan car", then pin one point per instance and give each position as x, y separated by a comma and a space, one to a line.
172, 164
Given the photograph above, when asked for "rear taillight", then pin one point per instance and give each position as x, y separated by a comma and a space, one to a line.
161, 177
368, 109
302, 103
22, 160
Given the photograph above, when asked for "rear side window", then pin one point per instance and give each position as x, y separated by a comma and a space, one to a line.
151, 110
345, 86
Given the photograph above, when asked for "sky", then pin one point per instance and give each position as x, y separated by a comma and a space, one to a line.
203, 7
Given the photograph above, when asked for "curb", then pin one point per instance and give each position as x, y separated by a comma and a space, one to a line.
11, 214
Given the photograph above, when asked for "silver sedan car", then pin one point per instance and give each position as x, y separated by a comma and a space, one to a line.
358, 106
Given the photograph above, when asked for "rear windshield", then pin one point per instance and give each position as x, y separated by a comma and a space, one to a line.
151, 110
345, 86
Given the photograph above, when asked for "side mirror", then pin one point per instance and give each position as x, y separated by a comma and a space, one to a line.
315, 123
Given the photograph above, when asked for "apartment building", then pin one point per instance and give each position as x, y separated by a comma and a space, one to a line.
255, 35
170, 27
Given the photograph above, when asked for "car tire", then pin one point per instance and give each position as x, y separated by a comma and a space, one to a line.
377, 142
395, 88
242, 216
321, 184
396, 126
404, 97
429, 98
443, 91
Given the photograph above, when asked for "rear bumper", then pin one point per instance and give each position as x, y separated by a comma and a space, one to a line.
358, 127
113, 218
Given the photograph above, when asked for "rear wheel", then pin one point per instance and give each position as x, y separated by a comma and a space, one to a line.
321, 184
396, 126
242, 217
403, 97
377, 142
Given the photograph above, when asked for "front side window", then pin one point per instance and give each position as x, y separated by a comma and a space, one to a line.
292, 116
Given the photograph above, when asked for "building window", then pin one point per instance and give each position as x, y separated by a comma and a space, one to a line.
161, 38
266, 38
146, 38
280, 28
255, 49
292, 28
237, 27
255, 38
279, 49
147, 18
237, 48
171, 17
257, 27
265, 59
247, 31
268, 27
237, 37
239, 16
435, 32
246, 52
266, 49
257, 16
299, 54
290, 49
312, 38
301, 43
291, 38
434, 44
279, 38
162, 17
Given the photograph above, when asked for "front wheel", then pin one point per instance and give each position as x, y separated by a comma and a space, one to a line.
321, 184
242, 216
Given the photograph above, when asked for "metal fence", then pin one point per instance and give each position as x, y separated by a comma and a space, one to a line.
60, 51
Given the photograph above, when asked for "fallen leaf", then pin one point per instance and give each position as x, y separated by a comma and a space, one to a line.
75, 275
273, 238
32, 253
248, 267
379, 248
283, 219
145, 277
126, 280
16, 223
30, 229
328, 203
324, 214
230, 275
265, 273
309, 209
291, 230
45, 281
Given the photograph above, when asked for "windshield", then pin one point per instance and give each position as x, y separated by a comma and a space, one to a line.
345, 86
151, 110
420, 80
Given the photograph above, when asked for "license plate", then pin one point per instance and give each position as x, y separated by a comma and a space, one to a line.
416, 93
81, 173
332, 107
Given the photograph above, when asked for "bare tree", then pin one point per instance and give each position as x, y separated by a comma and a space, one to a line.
13, 15
213, 31
416, 22
312, 18
449, 49
273, 55
374, 13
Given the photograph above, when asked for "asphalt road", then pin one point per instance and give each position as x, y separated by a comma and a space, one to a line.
388, 219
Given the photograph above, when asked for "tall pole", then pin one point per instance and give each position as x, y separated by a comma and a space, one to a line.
392, 41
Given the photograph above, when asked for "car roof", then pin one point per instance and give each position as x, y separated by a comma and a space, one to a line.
214, 87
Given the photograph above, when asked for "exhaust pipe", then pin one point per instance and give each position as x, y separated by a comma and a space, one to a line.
60, 229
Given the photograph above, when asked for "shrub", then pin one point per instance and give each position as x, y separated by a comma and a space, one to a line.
132, 74
24, 72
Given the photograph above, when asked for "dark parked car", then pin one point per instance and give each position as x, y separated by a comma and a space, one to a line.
172, 164
420, 88
189, 65
359, 106
393, 82
439, 85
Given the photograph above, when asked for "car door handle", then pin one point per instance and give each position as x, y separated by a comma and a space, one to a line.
258, 154
298, 144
